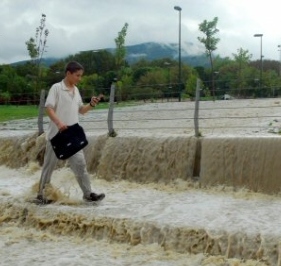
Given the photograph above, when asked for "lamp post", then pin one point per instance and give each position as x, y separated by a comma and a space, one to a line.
169, 77
216, 75
279, 46
261, 64
179, 78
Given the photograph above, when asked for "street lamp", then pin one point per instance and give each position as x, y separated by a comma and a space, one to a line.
216, 75
279, 46
179, 81
261, 64
169, 90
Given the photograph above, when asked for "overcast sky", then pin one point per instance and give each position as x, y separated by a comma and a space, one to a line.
79, 25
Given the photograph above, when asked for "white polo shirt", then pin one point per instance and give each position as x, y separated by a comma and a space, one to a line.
65, 104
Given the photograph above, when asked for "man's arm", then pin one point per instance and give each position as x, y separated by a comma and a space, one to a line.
52, 114
85, 108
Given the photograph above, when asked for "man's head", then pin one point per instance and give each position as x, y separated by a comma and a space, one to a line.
73, 72
73, 66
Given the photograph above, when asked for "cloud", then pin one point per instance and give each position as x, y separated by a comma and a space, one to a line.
93, 24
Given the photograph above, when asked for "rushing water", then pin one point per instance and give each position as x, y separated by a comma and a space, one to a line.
169, 201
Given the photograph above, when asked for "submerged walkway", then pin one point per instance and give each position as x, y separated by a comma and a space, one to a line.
177, 217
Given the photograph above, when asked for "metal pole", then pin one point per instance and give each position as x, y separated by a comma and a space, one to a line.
179, 79
279, 46
180, 56
261, 62
196, 111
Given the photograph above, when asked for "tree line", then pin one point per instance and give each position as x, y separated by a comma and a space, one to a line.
238, 76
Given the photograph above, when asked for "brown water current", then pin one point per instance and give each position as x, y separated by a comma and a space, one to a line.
171, 200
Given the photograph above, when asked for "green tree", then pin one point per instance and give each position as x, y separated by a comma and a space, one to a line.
139, 72
36, 48
209, 28
120, 54
91, 85
5, 97
271, 84
151, 84
55, 73
242, 59
12, 84
155, 77
120, 51
99, 62
190, 87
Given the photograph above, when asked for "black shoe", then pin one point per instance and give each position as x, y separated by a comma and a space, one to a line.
40, 200
94, 197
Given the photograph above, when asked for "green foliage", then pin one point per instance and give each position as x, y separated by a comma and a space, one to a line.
36, 48
54, 74
141, 71
31, 47
145, 93
25, 70
11, 84
124, 85
5, 97
120, 51
144, 80
90, 85
190, 87
99, 62
153, 77
108, 78
242, 57
158, 77
209, 28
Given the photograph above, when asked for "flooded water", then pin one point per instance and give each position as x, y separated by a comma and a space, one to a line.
164, 204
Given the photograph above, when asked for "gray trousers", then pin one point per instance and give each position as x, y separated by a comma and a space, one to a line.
77, 164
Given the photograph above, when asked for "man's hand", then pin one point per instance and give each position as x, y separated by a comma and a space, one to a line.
61, 126
95, 100
52, 114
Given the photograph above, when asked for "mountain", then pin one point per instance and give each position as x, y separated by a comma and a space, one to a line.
190, 54
45, 61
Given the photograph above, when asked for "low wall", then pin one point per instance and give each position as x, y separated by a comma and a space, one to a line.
240, 162
253, 163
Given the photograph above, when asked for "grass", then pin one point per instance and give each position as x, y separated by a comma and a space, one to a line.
13, 112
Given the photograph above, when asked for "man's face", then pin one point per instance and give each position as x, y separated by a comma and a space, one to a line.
75, 77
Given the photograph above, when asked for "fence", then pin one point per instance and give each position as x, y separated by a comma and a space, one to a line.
196, 117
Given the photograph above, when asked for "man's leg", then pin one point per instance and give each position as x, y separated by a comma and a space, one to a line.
77, 164
50, 161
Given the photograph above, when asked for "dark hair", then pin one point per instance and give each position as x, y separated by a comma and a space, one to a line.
73, 66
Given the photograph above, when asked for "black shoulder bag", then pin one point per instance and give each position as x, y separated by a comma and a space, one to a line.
69, 141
